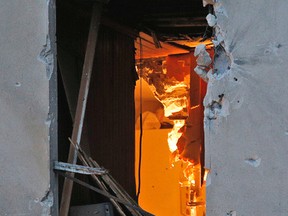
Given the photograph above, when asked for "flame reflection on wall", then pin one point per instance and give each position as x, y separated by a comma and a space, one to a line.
170, 83
175, 134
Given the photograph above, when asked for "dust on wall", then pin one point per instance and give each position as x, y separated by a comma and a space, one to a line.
24, 107
245, 117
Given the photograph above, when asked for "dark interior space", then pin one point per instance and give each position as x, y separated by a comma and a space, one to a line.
108, 130
109, 122
169, 20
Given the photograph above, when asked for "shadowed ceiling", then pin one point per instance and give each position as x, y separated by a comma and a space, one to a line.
170, 20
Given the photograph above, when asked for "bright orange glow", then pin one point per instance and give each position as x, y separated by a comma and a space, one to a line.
175, 134
174, 105
192, 192
181, 94
175, 99
206, 175
159, 182
191, 189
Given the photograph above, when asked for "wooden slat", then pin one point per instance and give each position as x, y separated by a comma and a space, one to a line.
150, 51
81, 104
74, 168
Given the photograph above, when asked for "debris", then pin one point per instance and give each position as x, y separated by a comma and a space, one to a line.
17, 84
254, 161
47, 200
138, 211
204, 59
231, 213
203, 56
217, 108
81, 103
86, 170
207, 2
46, 203
211, 20
210, 76
201, 72
46, 57
107, 184
222, 61
218, 39
170, 91
198, 49
219, 9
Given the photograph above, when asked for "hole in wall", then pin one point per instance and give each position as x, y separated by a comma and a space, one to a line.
173, 87
109, 126
222, 61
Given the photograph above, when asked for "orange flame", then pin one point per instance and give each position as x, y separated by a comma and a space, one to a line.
174, 135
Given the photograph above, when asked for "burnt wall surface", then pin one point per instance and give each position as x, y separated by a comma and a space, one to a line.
26, 68
246, 119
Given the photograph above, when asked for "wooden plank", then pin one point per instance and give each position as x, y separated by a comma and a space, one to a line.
104, 193
118, 27
85, 170
87, 162
109, 181
81, 104
150, 51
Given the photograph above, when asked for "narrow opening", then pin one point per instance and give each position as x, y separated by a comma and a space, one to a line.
152, 43
170, 100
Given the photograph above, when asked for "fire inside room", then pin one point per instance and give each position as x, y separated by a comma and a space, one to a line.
139, 108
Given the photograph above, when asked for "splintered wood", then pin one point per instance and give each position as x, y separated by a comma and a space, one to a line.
81, 104
108, 183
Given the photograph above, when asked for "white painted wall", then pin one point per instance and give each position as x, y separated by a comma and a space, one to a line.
253, 120
24, 107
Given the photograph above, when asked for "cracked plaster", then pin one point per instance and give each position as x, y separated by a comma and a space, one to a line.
251, 74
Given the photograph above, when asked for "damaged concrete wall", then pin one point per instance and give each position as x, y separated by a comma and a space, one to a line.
24, 106
246, 118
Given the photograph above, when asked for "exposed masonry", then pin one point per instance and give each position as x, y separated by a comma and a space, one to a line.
47, 58
254, 161
247, 150
214, 109
231, 213
46, 203
203, 61
218, 101
222, 61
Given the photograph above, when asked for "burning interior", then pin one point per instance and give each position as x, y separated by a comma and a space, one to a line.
143, 114
179, 92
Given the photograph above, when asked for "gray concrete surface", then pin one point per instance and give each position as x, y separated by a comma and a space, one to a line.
246, 134
24, 107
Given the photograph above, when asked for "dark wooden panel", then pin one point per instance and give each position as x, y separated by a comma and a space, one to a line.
110, 110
